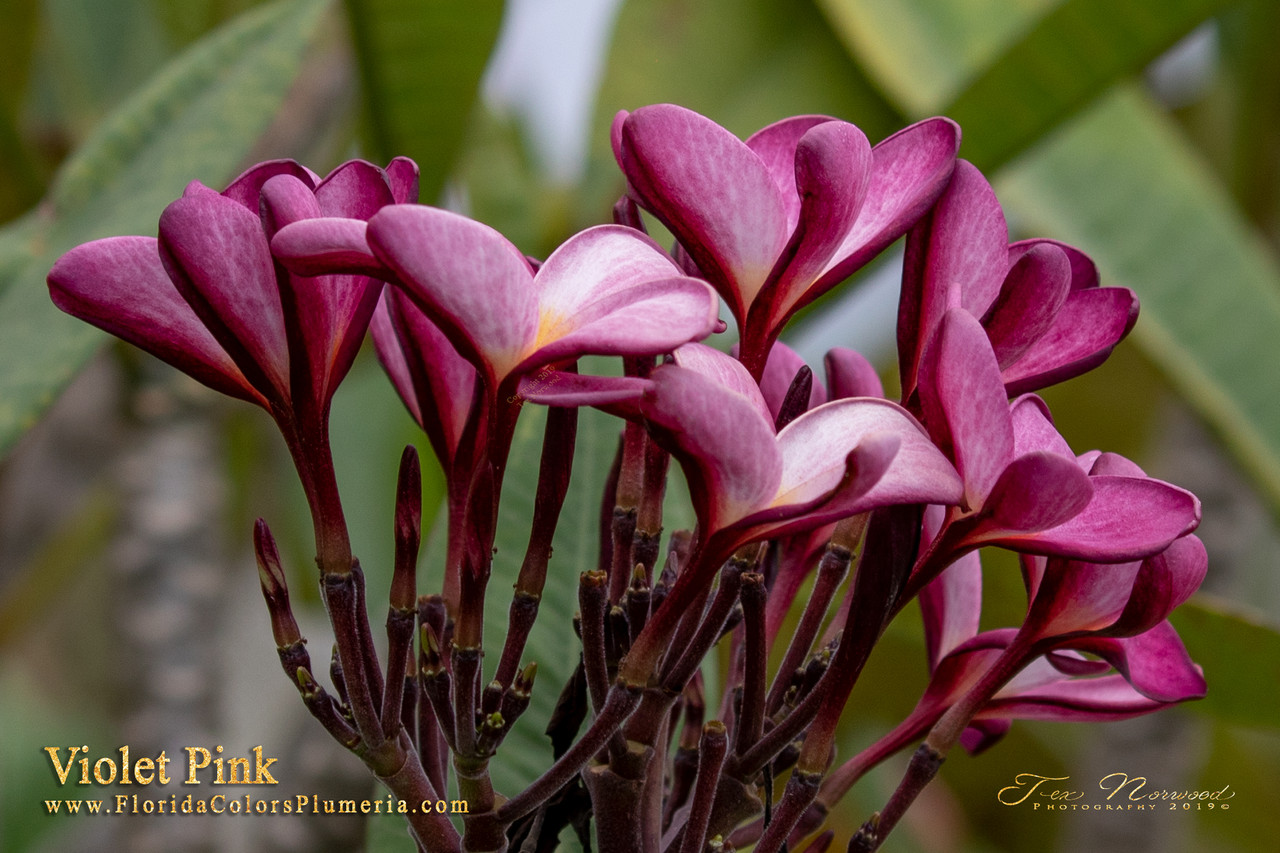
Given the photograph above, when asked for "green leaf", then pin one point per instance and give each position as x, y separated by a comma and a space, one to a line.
197, 119
744, 63
421, 63
20, 180
1241, 660
1072, 54
92, 54
1008, 70
920, 52
1121, 183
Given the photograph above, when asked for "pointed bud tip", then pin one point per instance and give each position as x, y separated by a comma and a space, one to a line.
270, 573
306, 683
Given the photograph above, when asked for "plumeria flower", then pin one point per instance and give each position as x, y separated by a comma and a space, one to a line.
1038, 300
1117, 613
1023, 487
608, 290
775, 222
748, 483
848, 374
208, 298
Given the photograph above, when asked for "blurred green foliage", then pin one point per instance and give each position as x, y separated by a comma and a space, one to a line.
108, 107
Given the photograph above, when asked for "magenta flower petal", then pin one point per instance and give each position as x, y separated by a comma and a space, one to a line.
436, 384
356, 189
1033, 429
735, 477
961, 668
1155, 662
612, 290
851, 456
120, 286
1084, 331
327, 245
402, 177
1037, 491
596, 264
1070, 662
919, 474
1109, 697
952, 607
727, 372
1111, 464
815, 445
849, 374
653, 317
394, 357
812, 495
285, 199
775, 145
247, 188
467, 278
562, 388
1084, 272
956, 257
1127, 518
1077, 596
712, 192
1164, 582
964, 403
208, 241
335, 240
328, 316
1034, 290
832, 173
779, 372
908, 172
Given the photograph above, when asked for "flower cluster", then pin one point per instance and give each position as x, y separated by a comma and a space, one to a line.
265, 291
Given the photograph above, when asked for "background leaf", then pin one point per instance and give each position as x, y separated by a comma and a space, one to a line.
420, 65
198, 119
1073, 53
920, 52
1241, 659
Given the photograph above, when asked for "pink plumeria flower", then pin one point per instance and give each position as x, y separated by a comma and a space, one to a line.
848, 374
1023, 487
775, 222
1118, 613
1038, 300
748, 483
608, 290
208, 298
